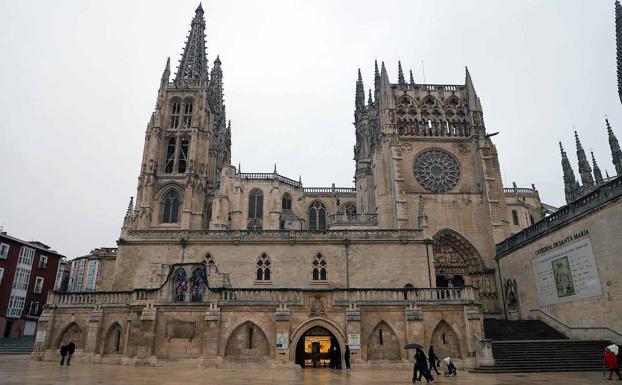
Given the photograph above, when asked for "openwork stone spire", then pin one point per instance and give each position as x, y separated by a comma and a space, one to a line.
412, 78
376, 81
359, 101
616, 153
193, 63
215, 89
619, 48
570, 183
597, 174
585, 171
400, 73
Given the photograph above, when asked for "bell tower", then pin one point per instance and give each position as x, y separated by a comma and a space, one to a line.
187, 142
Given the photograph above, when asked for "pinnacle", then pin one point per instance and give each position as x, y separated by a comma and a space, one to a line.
360, 79
400, 73
199, 8
376, 72
412, 79
217, 61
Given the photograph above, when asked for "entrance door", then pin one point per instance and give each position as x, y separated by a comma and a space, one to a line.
318, 348
7, 328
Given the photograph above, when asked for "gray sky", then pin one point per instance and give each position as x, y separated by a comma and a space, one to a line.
79, 81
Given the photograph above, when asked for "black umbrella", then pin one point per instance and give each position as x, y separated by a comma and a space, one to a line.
413, 346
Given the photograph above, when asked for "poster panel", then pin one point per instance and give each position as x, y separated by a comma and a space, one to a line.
567, 273
354, 341
282, 340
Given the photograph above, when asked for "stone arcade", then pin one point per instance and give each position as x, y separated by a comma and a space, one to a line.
217, 267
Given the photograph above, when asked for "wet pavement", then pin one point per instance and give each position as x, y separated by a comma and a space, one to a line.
20, 370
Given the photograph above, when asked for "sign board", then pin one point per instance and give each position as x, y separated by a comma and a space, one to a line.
354, 341
282, 340
567, 273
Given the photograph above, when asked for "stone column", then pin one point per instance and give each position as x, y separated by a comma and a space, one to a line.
353, 326
93, 331
414, 327
211, 334
282, 347
43, 340
146, 339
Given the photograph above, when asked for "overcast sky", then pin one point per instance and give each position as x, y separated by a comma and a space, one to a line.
79, 80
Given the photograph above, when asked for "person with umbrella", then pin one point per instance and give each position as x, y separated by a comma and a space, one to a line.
611, 360
421, 364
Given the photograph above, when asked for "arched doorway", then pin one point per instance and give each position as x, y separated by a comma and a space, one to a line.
318, 348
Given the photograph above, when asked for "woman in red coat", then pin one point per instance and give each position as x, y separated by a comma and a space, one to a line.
612, 363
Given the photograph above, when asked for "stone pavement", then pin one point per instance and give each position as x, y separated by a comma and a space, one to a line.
19, 370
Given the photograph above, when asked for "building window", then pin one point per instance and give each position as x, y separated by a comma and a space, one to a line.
43, 262
26, 256
263, 268
317, 216
181, 285
188, 114
1, 275
171, 208
4, 251
91, 274
175, 115
286, 202
380, 337
183, 155
22, 276
319, 268
38, 285
59, 276
76, 275
170, 156
515, 217
16, 306
34, 309
255, 204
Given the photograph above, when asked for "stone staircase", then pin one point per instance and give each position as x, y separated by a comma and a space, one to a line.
534, 346
17, 345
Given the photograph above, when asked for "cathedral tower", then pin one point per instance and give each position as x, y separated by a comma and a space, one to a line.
186, 144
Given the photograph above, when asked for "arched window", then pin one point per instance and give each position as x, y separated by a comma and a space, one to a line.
286, 202
515, 217
317, 216
263, 268
255, 204
181, 285
319, 268
170, 156
199, 284
188, 114
183, 155
175, 114
170, 209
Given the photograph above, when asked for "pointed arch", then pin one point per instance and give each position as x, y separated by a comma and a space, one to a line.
113, 340
198, 284
317, 216
247, 340
264, 268
181, 285
170, 206
454, 254
319, 268
71, 333
445, 340
383, 344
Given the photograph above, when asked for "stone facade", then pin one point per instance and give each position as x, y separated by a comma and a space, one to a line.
216, 266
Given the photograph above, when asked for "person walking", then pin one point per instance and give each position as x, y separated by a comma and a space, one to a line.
71, 348
421, 366
63, 354
346, 357
612, 363
433, 360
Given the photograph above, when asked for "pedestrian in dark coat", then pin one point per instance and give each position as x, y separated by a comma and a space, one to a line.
421, 366
433, 360
346, 357
612, 363
71, 348
63, 354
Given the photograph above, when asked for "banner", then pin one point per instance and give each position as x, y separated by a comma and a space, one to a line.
567, 273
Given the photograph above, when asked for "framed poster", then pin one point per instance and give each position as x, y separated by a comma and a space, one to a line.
354, 341
282, 340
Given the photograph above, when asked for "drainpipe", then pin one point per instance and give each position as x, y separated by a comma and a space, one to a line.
427, 251
501, 292
346, 245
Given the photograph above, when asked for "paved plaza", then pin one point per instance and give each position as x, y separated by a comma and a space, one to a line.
19, 370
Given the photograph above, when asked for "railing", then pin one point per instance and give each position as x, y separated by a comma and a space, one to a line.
274, 297
329, 190
269, 176
566, 213
577, 332
438, 87
519, 191
353, 219
434, 128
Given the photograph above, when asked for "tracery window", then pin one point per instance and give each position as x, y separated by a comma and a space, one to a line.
183, 155
175, 108
181, 285
199, 284
170, 209
263, 268
188, 114
286, 202
170, 156
255, 209
317, 216
436, 171
515, 217
349, 209
319, 268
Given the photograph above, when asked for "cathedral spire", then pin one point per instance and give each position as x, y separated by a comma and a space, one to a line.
412, 78
359, 101
597, 174
215, 89
472, 97
585, 171
400, 73
376, 81
193, 63
619, 48
616, 153
570, 183
385, 92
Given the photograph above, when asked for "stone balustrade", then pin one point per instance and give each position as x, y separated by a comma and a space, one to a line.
274, 297
353, 219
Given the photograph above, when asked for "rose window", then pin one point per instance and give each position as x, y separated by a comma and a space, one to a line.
436, 171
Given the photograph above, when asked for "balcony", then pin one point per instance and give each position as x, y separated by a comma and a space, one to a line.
347, 220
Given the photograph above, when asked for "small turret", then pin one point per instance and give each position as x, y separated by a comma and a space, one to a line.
166, 74
359, 100
412, 78
585, 171
570, 183
597, 174
386, 95
400, 74
616, 153
376, 81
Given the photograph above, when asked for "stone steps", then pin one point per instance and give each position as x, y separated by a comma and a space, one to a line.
17, 345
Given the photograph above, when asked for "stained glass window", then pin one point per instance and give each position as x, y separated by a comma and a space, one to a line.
319, 268
436, 171
199, 284
181, 285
